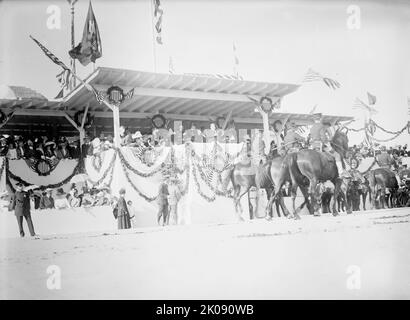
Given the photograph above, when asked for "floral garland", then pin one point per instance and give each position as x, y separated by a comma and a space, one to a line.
396, 134
137, 172
9, 174
109, 168
387, 131
96, 166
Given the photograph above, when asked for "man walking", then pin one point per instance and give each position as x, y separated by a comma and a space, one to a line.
21, 206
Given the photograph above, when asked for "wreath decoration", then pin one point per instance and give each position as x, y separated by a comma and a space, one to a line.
266, 104
78, 118
220, 122
158, 121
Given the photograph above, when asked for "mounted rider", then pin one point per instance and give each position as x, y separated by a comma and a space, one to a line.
319, 139
320, 134
292, 140
383, 159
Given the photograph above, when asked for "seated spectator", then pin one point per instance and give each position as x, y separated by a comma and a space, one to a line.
47, 200
63, 151
12, 152
60, 201
20, 149
30, 152
49, 151
73, 199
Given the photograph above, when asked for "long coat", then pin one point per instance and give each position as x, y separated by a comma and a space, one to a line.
123, 215
20, 203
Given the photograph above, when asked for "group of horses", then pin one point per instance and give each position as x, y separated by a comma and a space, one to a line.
308, 170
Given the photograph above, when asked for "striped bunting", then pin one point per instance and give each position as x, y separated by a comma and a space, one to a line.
312, 75
51, 56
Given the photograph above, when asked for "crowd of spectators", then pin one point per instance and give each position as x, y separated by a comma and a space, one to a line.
43, 147
77, 196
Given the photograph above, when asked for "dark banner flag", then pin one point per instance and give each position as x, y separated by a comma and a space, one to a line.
89, 49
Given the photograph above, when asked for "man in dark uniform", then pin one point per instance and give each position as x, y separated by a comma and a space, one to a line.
293, 141
21, 206
384, 160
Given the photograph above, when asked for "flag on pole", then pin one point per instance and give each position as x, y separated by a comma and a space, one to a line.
51, 56
313, 109
359, 104
312, 75
158, 12
371, 98
89, 49
236, 61
171, 65
408, 105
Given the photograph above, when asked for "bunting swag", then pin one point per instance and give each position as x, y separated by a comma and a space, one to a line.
89, 49
9, 174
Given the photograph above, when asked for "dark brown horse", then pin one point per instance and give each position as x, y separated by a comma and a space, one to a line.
243, 177
382, 179
317, 167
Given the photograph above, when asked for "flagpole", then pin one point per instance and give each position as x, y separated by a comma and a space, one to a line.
72, 4
154, 50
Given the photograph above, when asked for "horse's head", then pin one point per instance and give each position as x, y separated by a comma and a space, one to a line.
340, 142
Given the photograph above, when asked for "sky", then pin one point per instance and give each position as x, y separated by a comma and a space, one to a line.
276, 41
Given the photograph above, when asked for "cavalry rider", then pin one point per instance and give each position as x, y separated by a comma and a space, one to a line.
319, 136
293, 141
383, 159
319, 139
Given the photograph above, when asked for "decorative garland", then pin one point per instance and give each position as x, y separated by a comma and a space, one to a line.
125, 163
387, 131
109, 168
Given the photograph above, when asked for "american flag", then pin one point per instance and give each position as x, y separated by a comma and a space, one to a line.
371, 98
312, 75
129, 94
51, 56
359, 104
158, 12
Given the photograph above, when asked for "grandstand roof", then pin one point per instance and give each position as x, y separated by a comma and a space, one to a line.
177, 96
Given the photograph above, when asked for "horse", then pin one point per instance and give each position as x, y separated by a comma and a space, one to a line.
317, 167
382, 179
245, 176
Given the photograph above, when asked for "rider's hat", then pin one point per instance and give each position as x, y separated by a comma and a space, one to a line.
317, 116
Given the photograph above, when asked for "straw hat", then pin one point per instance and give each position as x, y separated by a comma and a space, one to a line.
137, 135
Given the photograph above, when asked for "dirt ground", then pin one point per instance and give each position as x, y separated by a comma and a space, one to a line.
358, 256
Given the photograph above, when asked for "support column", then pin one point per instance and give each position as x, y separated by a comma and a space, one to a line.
116, 118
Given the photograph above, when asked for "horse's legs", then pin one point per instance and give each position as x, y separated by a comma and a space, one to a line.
250, 206
337, 183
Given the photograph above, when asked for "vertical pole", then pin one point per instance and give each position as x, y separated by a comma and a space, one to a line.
72, 3
116, 117
154, 50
